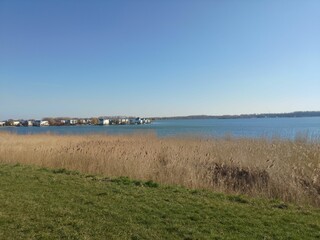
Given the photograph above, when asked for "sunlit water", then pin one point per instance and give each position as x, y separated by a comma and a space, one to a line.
288, 128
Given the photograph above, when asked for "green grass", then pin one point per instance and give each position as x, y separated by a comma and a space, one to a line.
53, 204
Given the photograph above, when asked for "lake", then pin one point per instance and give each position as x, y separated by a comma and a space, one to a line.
287, 128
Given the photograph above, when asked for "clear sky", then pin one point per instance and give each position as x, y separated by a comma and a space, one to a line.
158, 58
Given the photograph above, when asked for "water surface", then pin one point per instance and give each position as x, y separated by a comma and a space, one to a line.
287, 128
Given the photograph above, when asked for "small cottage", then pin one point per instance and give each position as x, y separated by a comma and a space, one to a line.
40, 123
104, 121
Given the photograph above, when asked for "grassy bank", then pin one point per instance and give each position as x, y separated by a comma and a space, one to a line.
53, 204
277, 169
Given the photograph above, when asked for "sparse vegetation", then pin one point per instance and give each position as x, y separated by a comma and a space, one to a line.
276, 169
95, 121
41, 203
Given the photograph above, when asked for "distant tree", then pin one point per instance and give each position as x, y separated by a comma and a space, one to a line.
94, 121
9, 122
52, 122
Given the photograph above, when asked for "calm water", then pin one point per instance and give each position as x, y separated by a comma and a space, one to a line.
265, 127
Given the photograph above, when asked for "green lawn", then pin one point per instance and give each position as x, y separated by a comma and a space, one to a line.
53, 204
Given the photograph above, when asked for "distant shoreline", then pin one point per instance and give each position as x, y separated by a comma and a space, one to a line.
247, 116
296, 114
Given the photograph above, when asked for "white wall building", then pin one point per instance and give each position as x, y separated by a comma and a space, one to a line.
72, 121
136, 121
39, 123
2, 123
139, 121
124, 121
15, 123
27, 123
83, 121
104, 121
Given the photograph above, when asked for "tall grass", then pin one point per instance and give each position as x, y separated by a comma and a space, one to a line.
282, 169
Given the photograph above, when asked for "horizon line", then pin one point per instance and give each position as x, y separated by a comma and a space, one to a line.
186, 116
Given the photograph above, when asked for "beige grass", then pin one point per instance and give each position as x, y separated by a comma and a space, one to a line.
287, 170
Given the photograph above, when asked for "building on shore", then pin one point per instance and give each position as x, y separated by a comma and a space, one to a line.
84, 121
27, 123
16, 123
2, 123
136, 121
104, 121
71, 122
40, 123
124, 121
11, 122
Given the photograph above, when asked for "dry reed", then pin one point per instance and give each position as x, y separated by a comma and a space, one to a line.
282, 169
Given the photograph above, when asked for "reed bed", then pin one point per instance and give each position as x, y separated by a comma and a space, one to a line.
281, 169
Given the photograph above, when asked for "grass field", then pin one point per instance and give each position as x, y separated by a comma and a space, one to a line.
38, 203
274, 169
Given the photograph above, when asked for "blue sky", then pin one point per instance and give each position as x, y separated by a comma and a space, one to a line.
158, 58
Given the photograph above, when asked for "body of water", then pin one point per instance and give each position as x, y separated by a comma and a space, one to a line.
288, 128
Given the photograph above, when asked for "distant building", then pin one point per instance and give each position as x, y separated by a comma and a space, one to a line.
84, 121
124, 121
2, 124
136, 121
140, 121
27, 123
104, 121
40, 123
16, 123
71, 121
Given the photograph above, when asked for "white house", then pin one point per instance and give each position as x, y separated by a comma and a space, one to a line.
15, 123
27, 123
140, 121
72, 121
104, 121
124, 121
39, 123
136, 121
83, 121
2, 123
